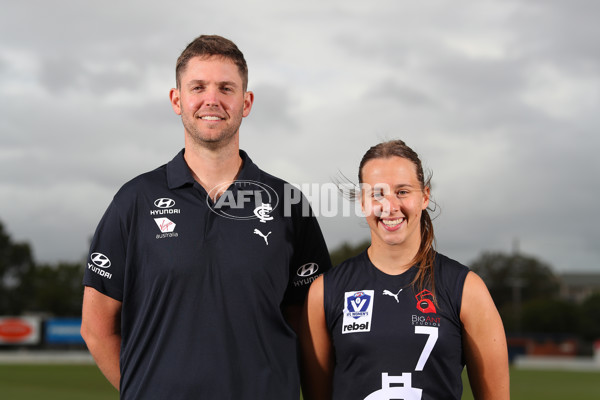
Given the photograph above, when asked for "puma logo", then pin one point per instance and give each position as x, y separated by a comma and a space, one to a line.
388, 293
259, 233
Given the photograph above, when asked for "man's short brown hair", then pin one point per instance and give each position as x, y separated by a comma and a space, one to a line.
212, 45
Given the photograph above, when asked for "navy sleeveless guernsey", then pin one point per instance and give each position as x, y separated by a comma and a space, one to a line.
392, 341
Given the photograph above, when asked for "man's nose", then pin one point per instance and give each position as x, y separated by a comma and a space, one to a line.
211, 97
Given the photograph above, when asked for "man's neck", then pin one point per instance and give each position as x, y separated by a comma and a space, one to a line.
213, 166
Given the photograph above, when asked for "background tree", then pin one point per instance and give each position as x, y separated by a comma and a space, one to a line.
58, 289
347, 250
589, 317
550, 316
515, 280
16, 270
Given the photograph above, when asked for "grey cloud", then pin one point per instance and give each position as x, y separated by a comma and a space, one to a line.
59, 75
401, 93
88, 109
272, 109
560, 32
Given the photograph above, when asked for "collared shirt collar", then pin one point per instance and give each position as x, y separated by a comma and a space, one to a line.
179, 174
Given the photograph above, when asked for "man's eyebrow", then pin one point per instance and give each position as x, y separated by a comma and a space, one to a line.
194, 82
227, 83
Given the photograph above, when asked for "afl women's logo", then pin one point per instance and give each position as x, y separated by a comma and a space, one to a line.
164, 202
307, 269
100, 260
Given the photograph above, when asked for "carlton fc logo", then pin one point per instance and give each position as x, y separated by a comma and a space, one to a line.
391, 389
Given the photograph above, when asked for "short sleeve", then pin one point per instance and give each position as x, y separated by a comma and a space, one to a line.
310, 254
104, 270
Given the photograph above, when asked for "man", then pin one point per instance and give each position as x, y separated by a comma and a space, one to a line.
197, 269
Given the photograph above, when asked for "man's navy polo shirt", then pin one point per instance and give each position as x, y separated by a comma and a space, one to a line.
202, 285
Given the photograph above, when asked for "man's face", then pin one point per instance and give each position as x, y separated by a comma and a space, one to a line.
211, 101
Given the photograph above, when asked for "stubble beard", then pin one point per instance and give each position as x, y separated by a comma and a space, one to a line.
210, 138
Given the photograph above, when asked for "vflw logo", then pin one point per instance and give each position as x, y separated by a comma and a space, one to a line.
358, 310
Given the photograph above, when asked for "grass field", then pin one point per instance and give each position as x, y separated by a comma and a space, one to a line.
549, 385
85, 382
54, 382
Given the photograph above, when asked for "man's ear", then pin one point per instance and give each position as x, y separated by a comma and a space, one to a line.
175, 97
248, 101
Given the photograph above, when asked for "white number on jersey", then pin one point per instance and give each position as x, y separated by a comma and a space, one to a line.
406, 392
433, 336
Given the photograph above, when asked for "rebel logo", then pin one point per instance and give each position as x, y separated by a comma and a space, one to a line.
100, 260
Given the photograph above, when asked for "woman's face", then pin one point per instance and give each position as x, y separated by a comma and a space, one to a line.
393, 201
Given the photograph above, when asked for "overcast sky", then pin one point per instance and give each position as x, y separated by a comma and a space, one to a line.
500, 98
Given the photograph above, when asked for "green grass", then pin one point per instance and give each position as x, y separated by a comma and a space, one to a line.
548, 385
54, 382
77, 382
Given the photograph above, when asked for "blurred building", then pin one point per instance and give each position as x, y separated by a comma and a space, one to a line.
577, 286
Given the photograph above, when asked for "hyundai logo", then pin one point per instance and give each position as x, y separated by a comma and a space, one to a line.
164, 203
100, 260
307, 269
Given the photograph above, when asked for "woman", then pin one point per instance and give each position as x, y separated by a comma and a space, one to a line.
400, 320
